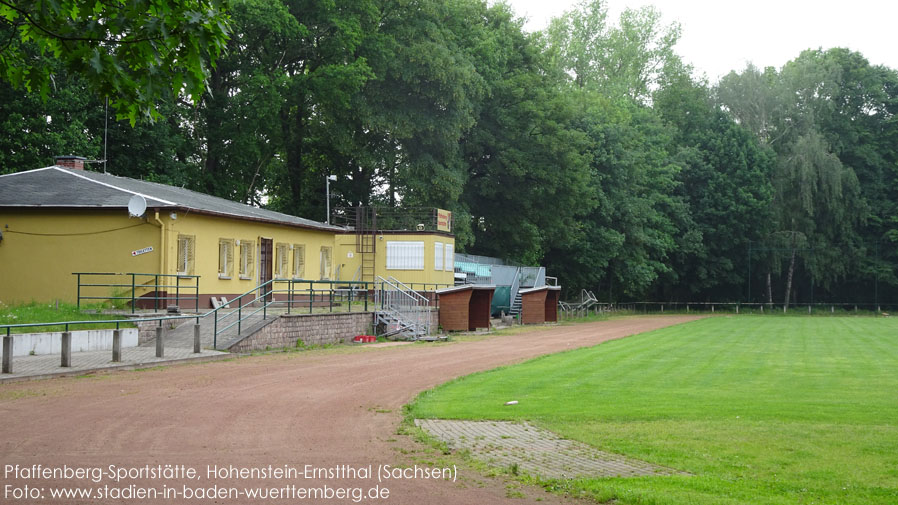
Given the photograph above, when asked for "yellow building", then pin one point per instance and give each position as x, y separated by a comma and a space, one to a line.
62, 220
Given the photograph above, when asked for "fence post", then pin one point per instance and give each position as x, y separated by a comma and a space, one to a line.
7, 354
133, 293
156, 294
196, 339
160, 341
116, 345
196, 302
66, 349
79, 291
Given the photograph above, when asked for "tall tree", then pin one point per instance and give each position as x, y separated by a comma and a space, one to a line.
133, 51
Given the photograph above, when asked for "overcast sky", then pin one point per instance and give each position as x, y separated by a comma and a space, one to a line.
723, 35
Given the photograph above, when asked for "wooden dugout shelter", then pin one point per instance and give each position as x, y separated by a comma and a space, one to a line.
540, 305
465, 308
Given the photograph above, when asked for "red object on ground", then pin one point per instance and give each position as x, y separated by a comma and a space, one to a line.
365, 339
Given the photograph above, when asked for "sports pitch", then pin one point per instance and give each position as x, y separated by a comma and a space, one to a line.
774, 410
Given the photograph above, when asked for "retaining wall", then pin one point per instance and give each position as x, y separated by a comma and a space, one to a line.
312, 329
24, 344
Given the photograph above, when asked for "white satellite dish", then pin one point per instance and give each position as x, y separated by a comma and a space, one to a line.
137, 206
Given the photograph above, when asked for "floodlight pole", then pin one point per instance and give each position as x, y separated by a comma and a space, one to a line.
328, 180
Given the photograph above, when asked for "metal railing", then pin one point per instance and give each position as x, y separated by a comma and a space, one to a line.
820, 308
66, 342
292, 297
186, 288
401, 309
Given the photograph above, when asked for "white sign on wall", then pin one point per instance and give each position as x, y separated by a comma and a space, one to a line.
142, 251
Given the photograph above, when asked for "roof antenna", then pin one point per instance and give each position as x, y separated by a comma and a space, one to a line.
105, 133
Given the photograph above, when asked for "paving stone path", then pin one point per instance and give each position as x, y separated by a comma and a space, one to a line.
48, 364
534, 450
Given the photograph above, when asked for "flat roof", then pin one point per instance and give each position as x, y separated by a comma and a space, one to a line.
465, 287
540, 288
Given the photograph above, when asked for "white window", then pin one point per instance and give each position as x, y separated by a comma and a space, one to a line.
405, 255
299, 261
449, 263
246, 259
225, 258
186, 251
438, 256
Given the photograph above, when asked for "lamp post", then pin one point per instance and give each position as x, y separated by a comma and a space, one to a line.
328, 191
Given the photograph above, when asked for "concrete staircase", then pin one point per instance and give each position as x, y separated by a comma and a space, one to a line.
182, 336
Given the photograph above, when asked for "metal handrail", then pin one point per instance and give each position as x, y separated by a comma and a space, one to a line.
134, 286
411, 291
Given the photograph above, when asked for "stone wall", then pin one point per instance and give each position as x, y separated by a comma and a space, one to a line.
147, 329
312, 329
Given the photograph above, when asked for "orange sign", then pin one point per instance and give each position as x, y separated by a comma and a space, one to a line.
444, 220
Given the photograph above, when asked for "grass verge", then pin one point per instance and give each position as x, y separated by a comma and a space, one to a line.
759, 410
37, 312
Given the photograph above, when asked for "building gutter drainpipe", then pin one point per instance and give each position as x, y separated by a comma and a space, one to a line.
161, 243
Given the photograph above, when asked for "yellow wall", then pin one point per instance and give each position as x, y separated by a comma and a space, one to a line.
208, 230
346, 245
41, 248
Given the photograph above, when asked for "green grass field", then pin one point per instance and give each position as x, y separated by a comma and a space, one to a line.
36, 312
787, 410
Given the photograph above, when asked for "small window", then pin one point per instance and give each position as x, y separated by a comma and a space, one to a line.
449, 263
246, 259
438, 256
326, 255
299, 261
282, 261
225, 258
405, 255
186, 251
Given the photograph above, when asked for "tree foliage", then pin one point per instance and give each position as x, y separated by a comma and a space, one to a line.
133, 51
590, 148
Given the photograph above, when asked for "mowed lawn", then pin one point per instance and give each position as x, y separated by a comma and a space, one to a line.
759, 410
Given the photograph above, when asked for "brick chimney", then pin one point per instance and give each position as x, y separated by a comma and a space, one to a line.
73, 162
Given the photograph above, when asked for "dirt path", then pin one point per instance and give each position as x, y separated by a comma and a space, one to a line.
318, 408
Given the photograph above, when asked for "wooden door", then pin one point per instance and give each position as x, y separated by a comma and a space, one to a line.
266, 262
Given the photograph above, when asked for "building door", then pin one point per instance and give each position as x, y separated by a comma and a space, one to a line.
265, 262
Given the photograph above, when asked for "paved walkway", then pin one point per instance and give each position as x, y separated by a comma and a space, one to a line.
32, 367
536, 451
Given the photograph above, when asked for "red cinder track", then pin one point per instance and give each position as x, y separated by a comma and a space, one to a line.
323, 408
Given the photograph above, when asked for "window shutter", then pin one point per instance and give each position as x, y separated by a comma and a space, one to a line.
438, 256
325, 262
402, 255
246, 258
283, 253
449, 261
222, 258
299, 261
186, 246
230, 257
